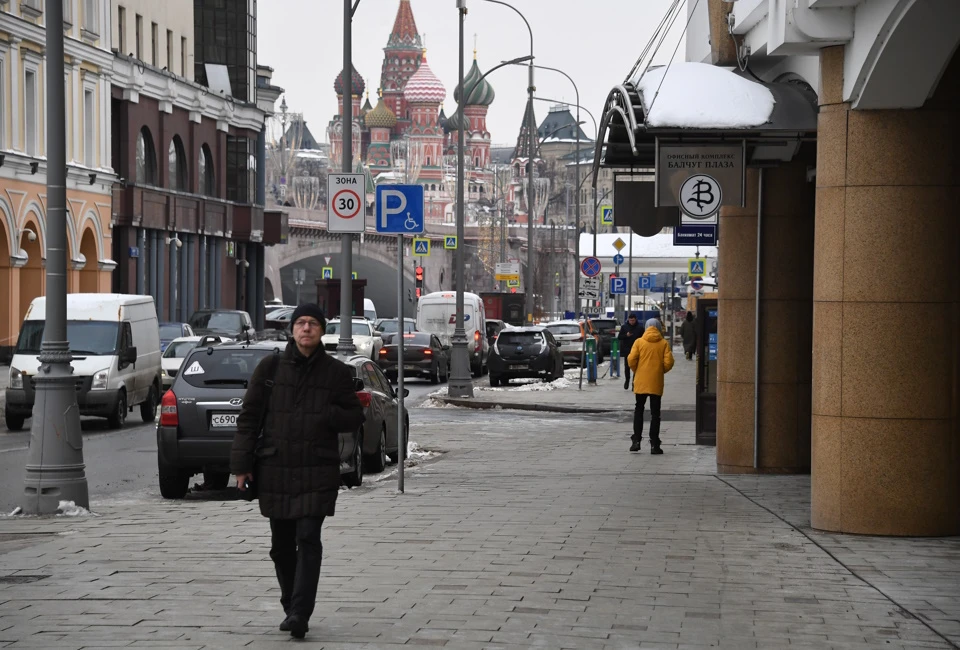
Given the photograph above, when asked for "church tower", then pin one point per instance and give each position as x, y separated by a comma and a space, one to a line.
475, 107
335, 128
423, 95
401, 59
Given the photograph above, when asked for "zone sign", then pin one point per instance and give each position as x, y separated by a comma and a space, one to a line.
345, 202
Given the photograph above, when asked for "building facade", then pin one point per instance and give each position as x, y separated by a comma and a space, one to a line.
90, 177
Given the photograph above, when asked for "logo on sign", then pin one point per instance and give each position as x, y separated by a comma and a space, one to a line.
700, 196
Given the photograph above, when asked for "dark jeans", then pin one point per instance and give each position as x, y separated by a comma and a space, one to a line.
654, 419
297, 552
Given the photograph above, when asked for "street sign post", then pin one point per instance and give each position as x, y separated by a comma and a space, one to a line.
345, 202
450, 242
421, 247
618, 259
646, 282
590, 289
509, 271
606, 215
618, 285
697, 266
326, 273
695, 235
590, 267
619, 244
400, 209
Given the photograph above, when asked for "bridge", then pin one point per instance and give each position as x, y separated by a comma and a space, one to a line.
311, 247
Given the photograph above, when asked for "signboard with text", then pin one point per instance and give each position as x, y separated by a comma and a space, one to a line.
715, 173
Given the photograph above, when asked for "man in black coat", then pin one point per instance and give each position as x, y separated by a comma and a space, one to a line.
298, 471
629, 333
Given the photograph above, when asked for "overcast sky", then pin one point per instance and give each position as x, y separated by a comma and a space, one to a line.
594, 41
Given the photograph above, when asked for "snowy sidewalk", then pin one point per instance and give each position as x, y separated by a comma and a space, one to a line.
567, 396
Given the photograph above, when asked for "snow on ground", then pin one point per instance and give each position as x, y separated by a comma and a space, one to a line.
678, 102
570, 378
71, 509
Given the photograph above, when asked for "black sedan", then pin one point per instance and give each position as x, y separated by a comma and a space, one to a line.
423, 356
378, 441
525, 352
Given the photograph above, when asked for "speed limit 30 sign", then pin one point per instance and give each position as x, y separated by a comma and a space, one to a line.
345, 202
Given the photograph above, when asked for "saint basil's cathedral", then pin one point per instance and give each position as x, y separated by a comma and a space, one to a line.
409, 106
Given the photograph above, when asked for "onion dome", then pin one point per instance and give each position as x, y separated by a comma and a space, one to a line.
380, 117
367, 106
424, 87
481, 94
454, 121
442, 120
357, 82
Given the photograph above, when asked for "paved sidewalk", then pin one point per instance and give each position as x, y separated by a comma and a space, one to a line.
531, 530
607, 395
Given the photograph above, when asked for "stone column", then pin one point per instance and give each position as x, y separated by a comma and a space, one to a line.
886, 357
786, 324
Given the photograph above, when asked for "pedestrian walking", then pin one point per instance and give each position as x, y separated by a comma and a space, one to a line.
650, 359
629, 333
688, 332
302, 399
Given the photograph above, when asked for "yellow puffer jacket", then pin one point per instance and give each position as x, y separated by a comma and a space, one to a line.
650, 359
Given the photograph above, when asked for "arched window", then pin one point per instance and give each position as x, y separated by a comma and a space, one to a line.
146, 158
208, 179
177, 165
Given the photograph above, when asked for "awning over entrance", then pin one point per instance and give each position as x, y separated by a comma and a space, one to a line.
703, 104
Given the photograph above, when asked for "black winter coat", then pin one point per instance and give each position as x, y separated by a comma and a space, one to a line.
313, 399
628, 336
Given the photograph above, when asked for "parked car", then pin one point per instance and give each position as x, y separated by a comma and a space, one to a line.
606, 330
172, 358
198, 418
115, 342
170, 331
436, 313
524, 352
232, 323
378, 442
367, 341
369, 310
279, 319
494, 326
569, 336
423, 356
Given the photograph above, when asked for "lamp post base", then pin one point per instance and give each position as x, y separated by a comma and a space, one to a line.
460, 384
55, 468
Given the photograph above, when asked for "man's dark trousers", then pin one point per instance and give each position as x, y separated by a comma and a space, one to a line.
654, 419
297, 553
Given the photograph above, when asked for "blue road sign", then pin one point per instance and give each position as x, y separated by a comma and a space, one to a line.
590, 266
696, 235
618, 285
133, 251
646, 282
618, 259
400, 209
450, 242
421, 247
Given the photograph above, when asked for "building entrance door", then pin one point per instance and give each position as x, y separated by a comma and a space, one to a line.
706, 429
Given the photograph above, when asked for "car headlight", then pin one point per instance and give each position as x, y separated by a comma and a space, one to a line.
16, 379
365, 343
163, 372
100, 380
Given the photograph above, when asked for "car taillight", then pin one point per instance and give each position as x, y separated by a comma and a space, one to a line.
428, 352
365, 398
383, 352
476, 341
168, 410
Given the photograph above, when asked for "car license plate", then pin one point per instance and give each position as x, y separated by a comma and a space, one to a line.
223, 420
518, 366
411, 368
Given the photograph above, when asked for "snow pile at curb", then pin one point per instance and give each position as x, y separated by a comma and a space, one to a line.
71, 509
417, 455
431, 403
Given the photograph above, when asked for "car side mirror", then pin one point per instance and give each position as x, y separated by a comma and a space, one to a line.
128, 356
406, 393
358, 384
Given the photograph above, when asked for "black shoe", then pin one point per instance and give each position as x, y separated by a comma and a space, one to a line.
285, 625
626, 385
656, 450
635, 446
298, 626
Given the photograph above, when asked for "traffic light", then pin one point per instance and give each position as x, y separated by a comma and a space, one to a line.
419, 292
419, 275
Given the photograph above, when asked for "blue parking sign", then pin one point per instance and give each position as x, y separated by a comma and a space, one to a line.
646, 282
618, 285
400, 209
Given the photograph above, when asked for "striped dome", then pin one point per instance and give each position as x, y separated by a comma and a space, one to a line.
380, 117
424, 87
481, 94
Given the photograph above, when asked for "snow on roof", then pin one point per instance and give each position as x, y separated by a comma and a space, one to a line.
734, 102
658, 246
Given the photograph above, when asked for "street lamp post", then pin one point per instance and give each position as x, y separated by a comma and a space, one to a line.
345, 344
55, 468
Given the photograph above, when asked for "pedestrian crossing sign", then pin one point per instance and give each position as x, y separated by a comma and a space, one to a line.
354, 275
697, 267
327, 273
450, 242
421, 247
606, 215
513, 283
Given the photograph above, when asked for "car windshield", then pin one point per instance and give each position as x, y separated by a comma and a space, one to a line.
519, 338
209, 367
441, 318
605, 325
564, 329
421, 339
217, 320
170, 330
179, 349
360, 328
388, 326
90, 337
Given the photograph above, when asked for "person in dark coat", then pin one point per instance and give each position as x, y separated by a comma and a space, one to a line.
629, 333
688, 332
312, 400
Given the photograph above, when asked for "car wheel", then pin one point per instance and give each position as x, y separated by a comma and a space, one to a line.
355, 477
379, 459
119, 415
494, 380
174, 482
148, 409
14, 422
216, 480
435, 375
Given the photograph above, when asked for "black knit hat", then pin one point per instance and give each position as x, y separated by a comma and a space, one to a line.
309, 309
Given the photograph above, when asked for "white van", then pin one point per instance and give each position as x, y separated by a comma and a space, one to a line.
437, 314
369, 310
115, 342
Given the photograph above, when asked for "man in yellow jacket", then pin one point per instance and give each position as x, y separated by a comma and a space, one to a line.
650, 359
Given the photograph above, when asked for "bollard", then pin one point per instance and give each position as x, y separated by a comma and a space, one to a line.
615, 358
591, 360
